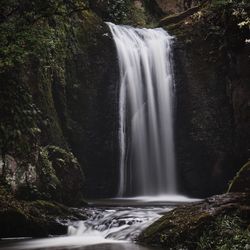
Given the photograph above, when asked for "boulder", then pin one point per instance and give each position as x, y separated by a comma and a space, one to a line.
33, 219
187, 226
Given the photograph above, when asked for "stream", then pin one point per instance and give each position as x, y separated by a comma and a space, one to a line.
111, 225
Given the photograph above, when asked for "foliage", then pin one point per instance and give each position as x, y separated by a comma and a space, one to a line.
227, 232
111, 10
28, 28
222, 26
117, 9
239, 10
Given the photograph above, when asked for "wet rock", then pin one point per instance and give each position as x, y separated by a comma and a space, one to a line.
212, 95
121, 223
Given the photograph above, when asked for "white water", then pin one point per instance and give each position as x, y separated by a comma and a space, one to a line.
105, 228
117, 223
147, 159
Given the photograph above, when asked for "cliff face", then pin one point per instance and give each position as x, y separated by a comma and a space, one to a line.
212, 96
59, 90
91, 118
62, 93
203, 125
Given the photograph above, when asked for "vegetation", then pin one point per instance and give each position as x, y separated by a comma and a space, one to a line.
28, 28
226, 232
117, 10
218, 19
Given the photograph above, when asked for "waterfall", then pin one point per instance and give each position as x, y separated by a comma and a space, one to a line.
147, 158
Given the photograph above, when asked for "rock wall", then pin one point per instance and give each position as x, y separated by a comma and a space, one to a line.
62, 95
92, 109
212, 95
204, 124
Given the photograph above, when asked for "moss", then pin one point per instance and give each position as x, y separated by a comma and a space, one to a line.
49, 183
177, 224
69, 173
50, 208
61, 158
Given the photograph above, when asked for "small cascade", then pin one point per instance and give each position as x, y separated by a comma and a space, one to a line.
147, 158
119, 224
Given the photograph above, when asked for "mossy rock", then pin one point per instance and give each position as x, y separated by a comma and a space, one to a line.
184, 227
69, 173
22, 219
241, 182
49, 185
38, 218
60, 177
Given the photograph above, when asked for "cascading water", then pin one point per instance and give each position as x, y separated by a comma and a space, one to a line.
106, 228
147, 159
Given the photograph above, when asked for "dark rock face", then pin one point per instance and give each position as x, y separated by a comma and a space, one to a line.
212, 97
92, 103
204, 123
86, 103
185, 227
239, 90
241, 182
